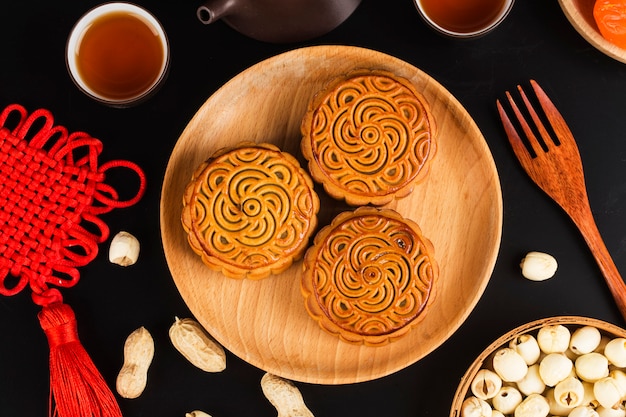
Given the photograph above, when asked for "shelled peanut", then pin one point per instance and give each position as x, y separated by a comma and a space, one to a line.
572, 371
138, 354
197, 346
284, 396
197, 413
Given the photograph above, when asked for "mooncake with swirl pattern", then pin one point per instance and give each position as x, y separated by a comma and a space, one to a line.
368, 137
250, 211
369, 276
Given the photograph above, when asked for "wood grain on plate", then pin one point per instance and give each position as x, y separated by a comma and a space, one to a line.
458, 206
580, 15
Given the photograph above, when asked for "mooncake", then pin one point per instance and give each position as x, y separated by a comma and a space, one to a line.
369, 276
250, 211
368, 137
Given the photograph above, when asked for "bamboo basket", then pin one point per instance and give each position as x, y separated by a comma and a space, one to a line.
484, 359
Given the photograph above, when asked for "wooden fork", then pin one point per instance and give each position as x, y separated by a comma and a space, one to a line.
557, 169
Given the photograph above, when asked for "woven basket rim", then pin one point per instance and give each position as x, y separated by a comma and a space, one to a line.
473, 369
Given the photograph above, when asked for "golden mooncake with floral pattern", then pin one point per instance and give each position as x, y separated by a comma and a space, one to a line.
369, 276
368, 137
250, 211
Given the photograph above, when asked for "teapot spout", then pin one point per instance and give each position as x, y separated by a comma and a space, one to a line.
213, 10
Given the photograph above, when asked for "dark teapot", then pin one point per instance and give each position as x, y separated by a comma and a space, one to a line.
278, 21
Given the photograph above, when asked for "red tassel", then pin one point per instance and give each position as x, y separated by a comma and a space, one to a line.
76, 385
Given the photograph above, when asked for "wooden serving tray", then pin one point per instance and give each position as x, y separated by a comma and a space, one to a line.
458, 207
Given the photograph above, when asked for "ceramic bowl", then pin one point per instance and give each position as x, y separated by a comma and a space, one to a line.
458, 27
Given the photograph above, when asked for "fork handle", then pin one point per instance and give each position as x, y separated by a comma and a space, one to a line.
614, 280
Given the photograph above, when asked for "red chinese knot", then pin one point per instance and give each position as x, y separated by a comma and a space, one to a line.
51, 188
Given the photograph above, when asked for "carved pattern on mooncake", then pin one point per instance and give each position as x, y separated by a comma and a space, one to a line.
250, 211
368, 137
369, 276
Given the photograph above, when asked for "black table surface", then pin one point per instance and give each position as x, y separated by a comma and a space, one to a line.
536, 41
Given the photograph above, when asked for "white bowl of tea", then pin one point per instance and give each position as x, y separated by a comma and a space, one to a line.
464, 18
118, 54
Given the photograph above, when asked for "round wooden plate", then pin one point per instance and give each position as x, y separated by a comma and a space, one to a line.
580, 15
458, 206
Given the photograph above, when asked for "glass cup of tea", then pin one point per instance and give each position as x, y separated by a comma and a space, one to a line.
464, 18
118, 54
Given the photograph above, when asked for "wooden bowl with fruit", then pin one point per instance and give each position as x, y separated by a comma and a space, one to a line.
601, 22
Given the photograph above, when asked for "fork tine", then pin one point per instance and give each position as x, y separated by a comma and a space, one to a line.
543, 132
532, 139
519, 148
562, 131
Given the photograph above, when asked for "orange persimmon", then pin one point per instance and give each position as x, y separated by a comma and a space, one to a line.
610, 16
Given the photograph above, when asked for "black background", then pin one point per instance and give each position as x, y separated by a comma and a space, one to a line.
536, 41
